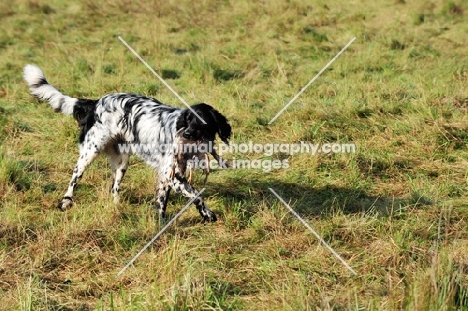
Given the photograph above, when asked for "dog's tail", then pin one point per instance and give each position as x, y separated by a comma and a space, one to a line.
41, 89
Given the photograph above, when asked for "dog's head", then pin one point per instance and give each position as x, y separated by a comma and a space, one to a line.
195, 130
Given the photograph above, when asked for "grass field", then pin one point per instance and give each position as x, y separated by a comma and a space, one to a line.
396, 210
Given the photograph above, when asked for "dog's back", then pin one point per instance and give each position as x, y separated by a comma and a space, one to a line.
130, 117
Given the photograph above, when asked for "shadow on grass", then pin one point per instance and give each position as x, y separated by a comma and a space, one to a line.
310, 200
250, 194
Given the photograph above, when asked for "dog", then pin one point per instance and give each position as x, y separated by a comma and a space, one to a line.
127, 118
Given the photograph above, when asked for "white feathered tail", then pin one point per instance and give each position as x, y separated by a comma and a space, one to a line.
41, 89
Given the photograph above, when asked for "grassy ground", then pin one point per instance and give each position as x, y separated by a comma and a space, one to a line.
395, 210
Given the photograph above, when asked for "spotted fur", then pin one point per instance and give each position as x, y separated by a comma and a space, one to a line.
132, 119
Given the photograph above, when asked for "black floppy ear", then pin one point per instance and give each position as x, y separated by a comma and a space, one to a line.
224, 129
182, 120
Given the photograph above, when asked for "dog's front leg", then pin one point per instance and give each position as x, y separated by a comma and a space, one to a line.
181, 185
162, 196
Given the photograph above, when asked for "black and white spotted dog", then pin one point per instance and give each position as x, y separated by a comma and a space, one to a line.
133, 119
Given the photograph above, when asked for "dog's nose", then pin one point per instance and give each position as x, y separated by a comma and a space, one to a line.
187, 134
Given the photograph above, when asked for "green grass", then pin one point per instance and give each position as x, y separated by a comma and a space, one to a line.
395, 210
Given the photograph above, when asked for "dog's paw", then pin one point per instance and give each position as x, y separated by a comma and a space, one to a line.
116, 198
65, 204
162, 217
162, 221
209, 217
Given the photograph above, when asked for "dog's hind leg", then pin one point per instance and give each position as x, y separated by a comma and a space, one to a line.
89, 149
119, 164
